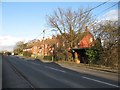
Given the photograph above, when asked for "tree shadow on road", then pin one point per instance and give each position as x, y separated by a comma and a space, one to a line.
75, 73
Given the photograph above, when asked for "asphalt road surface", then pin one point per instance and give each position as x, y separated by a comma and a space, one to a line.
20, 73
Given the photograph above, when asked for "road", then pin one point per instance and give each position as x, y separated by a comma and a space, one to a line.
20, 73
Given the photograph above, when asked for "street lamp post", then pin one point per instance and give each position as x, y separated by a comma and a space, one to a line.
44, 42
52, 55
53, 51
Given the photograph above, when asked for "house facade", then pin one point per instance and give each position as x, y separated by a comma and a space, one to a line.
43, 47
85, 43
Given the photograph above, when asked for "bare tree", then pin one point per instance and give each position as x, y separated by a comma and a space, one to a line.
107, 31
19, 47
70, 24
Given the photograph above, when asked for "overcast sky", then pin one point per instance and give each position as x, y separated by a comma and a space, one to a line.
26, 20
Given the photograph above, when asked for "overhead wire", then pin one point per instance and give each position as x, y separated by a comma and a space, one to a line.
97, 6
39, 34
85, 12
104, 11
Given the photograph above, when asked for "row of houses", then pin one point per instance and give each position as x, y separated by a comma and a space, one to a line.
44, 47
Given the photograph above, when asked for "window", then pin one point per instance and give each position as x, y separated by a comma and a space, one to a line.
91, 39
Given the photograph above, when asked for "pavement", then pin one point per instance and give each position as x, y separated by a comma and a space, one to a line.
25, 73
108, 73
94, 67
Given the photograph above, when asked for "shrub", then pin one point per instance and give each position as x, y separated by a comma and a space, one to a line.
93, 55
28, 54
47, 58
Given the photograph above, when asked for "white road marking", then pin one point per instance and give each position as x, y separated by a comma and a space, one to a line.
34, 63
55, 69
50, 67
100, 81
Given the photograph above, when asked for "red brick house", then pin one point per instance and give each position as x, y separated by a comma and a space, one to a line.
35, 48
85, 43
43, 47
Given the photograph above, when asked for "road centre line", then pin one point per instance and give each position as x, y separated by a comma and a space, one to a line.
32, 63
100, 81
55, 69
50, 67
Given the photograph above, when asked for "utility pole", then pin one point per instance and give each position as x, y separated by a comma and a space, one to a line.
44, 42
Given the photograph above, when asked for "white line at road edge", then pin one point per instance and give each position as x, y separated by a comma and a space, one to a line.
55, 69
100, 81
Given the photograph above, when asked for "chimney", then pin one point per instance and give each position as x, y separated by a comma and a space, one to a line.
86, 28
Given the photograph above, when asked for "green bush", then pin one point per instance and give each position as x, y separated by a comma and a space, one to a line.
47, 58
28, 54
93, 55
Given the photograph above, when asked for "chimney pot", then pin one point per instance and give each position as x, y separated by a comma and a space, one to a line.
86, 28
